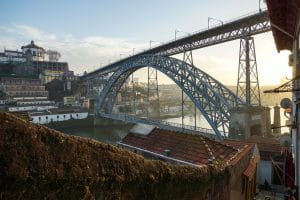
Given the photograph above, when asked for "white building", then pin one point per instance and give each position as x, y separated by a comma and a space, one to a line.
33, 52
35, 102
44, 118
30, 52
30, 108
12, 56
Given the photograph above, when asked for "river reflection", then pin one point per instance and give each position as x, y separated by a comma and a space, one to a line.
112, 133
201, 121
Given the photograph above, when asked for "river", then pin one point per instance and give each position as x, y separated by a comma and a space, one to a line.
112, 133
107, 133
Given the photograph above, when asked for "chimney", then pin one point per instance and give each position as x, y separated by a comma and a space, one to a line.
276, 122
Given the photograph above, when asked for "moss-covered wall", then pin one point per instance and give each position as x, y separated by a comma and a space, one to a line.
39, 163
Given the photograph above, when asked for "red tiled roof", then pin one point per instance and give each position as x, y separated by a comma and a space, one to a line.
235, 143
32, 45
285, 15
250, 171
265, 144
243, 147
194, 149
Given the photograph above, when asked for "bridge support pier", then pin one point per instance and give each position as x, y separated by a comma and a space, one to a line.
248, 121
248, 84
153, 90
252, 118
133, 95
187, 58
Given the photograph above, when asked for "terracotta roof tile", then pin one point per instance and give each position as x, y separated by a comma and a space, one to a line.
32, 45
191, 148
265, 144
284, 14
250, 170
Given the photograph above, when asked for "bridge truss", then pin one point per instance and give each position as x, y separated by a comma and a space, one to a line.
238, 28
212, 98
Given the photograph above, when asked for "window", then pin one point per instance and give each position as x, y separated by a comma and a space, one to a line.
46, 117
64, 116
57, 117
76, 115
39, 118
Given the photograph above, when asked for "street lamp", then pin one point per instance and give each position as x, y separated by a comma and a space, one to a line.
152, 41
259, 8
178, 31
213, 19
125, 53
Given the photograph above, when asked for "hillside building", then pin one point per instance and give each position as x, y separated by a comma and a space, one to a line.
32, 61
15, 87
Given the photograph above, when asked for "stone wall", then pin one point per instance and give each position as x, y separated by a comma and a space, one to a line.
39, 163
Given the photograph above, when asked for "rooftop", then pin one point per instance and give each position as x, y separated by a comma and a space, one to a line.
32, 45
193, 149
265, 144
284, 16
12, 51
60, 110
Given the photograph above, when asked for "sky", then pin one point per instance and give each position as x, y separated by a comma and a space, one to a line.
92, 33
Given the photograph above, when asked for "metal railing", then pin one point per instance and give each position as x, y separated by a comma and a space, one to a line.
179, 38
210, 133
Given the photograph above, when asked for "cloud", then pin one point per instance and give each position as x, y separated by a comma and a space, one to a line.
82, 54
91, 52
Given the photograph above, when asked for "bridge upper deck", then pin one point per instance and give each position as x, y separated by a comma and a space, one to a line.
245, 26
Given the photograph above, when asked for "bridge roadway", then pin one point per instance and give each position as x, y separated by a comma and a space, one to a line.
248, 25
210, 133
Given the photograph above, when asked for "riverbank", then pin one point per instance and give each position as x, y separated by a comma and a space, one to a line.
102, 129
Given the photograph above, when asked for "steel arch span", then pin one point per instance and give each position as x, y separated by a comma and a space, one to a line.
212, 98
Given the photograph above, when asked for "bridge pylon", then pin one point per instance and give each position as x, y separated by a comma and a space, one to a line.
250, 118
248, 83
188, 59
153, 94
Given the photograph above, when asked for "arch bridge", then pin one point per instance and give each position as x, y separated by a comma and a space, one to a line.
210, 97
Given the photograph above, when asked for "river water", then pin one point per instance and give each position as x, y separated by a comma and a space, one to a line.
112, 133
109, 134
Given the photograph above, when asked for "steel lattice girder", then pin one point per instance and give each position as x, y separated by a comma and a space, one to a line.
212, 98
221, 36
246, 26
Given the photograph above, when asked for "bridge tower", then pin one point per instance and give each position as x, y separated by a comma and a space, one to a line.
252, 119
248, 83
187, 58
153, 95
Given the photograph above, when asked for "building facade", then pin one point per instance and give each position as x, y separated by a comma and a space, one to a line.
33, 52
46, 118
285, 19
32, 61
15, 87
